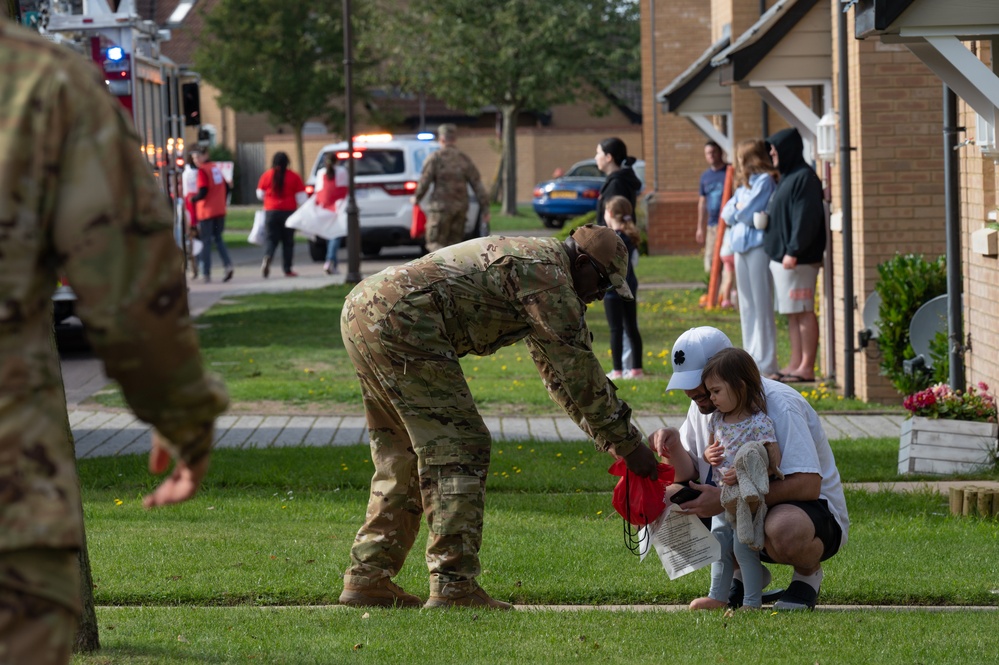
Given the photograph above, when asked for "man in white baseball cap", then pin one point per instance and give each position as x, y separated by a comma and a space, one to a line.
807, 521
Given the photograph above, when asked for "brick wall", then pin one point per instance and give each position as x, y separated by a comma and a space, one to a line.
897, 182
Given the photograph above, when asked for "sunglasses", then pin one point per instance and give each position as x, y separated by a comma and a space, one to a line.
603, 283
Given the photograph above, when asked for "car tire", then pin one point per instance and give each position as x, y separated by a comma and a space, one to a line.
370, 249
317, 249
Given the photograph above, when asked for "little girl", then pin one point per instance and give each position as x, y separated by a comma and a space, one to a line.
622, 315
736, 389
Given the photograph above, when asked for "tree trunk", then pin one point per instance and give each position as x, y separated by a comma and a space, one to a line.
300, 152
496, 188
509, 160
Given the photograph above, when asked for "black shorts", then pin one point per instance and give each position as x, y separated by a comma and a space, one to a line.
827, 529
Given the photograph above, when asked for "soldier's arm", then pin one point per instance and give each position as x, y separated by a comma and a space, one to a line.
113, 231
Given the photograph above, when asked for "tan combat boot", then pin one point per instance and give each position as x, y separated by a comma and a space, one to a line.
475, 598
384, 593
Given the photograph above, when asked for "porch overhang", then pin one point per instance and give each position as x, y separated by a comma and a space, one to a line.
697, 95
789, 47
935, 32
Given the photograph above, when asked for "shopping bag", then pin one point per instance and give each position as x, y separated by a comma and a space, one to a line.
640, 500
419, 226
258, 234
314, 219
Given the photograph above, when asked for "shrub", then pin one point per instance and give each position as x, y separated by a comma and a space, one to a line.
906, 283
939, 401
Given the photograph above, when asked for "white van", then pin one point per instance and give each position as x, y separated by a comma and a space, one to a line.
386, 173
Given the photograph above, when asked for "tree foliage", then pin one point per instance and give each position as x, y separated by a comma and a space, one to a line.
283, 59
514, 55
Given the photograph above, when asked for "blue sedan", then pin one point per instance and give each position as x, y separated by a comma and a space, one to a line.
570, 195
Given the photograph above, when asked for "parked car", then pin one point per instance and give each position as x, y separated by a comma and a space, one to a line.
386, 173
573, 194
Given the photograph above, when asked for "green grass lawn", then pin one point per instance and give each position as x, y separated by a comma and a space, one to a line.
243, 571
286, 348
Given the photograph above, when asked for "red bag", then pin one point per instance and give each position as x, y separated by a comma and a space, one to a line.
640, 500
419, 226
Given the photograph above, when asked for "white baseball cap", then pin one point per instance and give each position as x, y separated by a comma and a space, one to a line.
691, 352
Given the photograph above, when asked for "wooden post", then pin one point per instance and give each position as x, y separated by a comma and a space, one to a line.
984, 503
970, 502
995, 504
956, 500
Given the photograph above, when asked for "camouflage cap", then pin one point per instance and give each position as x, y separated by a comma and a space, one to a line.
602, 245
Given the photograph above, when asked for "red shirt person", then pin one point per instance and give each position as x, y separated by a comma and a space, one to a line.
281, 190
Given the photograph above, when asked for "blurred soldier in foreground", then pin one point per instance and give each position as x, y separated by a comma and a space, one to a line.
77, 198
449, 170
405, 329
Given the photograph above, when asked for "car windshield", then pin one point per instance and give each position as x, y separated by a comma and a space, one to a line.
377, 161
585, 171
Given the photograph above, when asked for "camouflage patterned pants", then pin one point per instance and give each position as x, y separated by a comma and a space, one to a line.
445, 228
34, 630
429, 446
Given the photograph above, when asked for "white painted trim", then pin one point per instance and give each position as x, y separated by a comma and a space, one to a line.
961, 70
701, 121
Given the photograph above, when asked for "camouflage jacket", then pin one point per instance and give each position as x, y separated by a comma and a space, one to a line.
77, 199
448, 170
492, 292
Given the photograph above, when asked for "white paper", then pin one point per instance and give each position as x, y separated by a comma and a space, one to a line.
682, 542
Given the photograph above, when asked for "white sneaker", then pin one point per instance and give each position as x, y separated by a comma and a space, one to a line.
633, 374
614, 375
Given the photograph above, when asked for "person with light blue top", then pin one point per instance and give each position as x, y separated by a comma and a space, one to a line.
756, 179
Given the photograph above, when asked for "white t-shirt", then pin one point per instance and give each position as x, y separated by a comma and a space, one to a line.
803, 444
189, 180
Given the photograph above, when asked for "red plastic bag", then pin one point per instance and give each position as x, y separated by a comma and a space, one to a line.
419, 226
640, 500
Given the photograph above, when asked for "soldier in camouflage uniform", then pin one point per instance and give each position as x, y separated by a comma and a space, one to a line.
448, 170
77, 198
405, 329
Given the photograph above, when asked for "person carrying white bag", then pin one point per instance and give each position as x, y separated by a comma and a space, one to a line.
331, 193
281, 190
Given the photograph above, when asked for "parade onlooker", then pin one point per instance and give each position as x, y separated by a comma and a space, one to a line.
613, 161
622, 314
709, 201
795, 241
282, 191
210, 204
332, 182
755, 176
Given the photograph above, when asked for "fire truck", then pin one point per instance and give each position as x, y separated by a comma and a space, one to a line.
148, 85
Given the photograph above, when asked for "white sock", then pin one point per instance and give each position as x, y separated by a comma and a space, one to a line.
813, 580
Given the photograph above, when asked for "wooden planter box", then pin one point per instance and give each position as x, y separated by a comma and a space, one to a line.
946, 446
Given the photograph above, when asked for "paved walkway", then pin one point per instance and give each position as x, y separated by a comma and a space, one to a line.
107, 433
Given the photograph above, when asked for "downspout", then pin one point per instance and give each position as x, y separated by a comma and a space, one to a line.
764, 109
655, 111
952, 208
846, 204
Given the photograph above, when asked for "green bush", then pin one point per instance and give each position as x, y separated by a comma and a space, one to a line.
906, 283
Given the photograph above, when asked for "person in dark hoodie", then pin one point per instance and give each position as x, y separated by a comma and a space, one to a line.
613, 161
795, 240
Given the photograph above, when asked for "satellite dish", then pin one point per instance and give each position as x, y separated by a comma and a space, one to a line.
870, 317
928, 320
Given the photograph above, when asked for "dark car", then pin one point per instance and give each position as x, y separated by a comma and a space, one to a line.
569, 195
574, 193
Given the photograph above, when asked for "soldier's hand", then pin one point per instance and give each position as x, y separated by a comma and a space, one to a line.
181, 485
642, 462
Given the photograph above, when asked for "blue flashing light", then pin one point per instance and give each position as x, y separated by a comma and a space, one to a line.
115, 53
425, 136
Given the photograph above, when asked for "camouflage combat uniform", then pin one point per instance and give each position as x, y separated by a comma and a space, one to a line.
448, 170
404, 330
77, 199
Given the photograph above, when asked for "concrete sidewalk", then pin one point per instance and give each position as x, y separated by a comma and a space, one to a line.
109, 433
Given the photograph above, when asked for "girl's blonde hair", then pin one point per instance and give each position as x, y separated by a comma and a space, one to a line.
622, 212
738, 369
752, 157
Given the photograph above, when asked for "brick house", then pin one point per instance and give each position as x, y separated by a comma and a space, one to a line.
780, 67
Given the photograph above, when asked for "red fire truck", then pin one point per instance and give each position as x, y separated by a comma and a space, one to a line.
126, 47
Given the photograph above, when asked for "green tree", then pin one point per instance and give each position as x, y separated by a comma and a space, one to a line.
283, 59
514, 55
